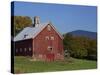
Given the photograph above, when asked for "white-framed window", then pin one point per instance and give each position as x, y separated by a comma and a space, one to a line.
52, 38
29, 48
49, 48
47, 37
20, 49
25, 49
49, 27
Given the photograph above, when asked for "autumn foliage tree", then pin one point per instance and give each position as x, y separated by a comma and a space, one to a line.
20, 22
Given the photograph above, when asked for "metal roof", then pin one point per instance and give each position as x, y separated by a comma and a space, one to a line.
30, 32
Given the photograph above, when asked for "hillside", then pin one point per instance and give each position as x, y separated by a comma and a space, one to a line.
92, 35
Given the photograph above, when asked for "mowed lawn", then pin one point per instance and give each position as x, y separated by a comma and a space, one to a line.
24, 65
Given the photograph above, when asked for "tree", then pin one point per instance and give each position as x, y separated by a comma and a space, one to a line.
21, 22
92, 50
67, 41
80, 47
77, 47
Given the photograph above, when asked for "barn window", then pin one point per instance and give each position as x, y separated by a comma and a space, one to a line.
20, 49
49, 48
25, 49
49, 27
47, 37
52, 38
29, 48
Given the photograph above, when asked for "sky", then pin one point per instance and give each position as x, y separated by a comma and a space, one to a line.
64, 17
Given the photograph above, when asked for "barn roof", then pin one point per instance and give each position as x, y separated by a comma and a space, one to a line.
32, 32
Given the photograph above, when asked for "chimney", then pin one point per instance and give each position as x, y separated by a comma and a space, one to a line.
36, 21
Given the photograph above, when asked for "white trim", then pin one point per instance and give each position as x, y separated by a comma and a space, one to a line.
49, 28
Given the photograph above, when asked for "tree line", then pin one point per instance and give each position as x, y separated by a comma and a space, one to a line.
80, 47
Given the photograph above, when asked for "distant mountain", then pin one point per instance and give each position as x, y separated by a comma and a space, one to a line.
92, 35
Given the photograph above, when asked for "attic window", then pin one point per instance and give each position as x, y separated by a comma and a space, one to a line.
49, 27
47, 37
52, 38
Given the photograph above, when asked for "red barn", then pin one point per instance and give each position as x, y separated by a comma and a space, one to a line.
41, 41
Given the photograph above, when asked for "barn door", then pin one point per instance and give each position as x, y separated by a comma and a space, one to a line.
50, 55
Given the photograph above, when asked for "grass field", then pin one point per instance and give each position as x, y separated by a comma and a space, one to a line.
24, 65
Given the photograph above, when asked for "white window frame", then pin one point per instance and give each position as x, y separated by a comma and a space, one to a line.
48, 48
52, 37
47, 37
30, 49
49, 28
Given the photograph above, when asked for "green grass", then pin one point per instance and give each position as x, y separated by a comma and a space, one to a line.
24, 65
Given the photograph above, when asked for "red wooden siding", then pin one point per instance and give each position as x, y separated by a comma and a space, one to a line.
41, 43
23, 48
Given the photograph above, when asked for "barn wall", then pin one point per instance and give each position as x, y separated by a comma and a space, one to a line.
41, 44
23, 48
